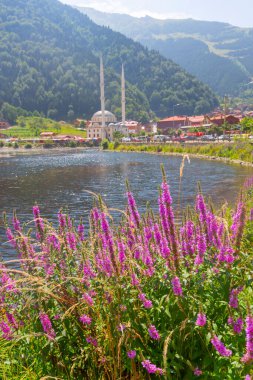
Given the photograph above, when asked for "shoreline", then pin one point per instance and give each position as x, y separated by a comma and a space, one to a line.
9, 151
193, 155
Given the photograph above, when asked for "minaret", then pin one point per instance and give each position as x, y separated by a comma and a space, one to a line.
102, 90
123, 96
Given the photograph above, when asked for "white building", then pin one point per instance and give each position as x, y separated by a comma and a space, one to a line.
103, 123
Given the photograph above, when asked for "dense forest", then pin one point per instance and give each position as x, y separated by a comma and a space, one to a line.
49, 62
219, 54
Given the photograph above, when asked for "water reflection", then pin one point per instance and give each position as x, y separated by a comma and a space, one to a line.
59, 179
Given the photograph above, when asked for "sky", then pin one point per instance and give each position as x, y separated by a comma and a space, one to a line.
235, 12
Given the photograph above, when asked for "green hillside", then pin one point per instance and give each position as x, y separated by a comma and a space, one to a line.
219, 54
49, 62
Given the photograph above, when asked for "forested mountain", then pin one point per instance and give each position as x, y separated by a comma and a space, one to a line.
49, 62
219, 54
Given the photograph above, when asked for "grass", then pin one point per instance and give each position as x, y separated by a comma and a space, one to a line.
27, 132
238, 150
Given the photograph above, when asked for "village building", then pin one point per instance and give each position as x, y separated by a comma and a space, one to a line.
222, 119
104, 123
171, 123
4, 124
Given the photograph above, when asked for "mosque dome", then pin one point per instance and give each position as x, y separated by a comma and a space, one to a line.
109, 117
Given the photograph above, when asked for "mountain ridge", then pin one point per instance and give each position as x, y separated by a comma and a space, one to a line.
49, 61
219, 54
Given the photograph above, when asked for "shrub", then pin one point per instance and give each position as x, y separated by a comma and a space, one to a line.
105, 144
1, 144
28, 146
15, 145
48, 145
72, 144
116, 144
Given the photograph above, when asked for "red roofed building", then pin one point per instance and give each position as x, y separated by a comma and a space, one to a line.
220, 120
4, 124
198, 121
173, 122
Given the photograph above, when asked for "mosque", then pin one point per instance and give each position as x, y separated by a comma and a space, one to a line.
103, 123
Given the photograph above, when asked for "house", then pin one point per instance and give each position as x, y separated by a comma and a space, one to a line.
173, 122
198, 121
4, 124
133, 127
151, 127
78, 122
47, 134
221, 119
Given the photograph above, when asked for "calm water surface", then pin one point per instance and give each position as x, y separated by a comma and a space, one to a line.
59, 179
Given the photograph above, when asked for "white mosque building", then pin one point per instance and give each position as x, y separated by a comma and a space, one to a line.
103, 123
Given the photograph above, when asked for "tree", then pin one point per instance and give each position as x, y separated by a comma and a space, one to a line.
247, 124
117, 135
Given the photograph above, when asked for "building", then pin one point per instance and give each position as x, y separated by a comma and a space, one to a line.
103, 123
171, 123
221, 119
4, 124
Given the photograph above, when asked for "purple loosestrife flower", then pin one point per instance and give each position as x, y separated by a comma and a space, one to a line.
238, 325
85, 319
47, 325
88, 271
239, 219
201, 208
176, 287
131, 354
16, 223
167, 201
38, 220
134, 280
92, 341
248, 377
220, 347
134, 214
6, 330
62, 220
154, 334
197, 372
151, 368
11, 238
71, 240
121, 252
80, 230
146, 303
88, 299
248, 357
157, 234
233, 297
201, 320
251, 215
12, 321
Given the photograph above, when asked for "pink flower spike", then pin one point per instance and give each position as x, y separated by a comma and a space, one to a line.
131, 354
197, 372
176, 286
154, 334
220, 347
201, 320
85, 319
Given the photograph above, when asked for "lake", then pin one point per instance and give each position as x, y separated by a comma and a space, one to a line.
60, 179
